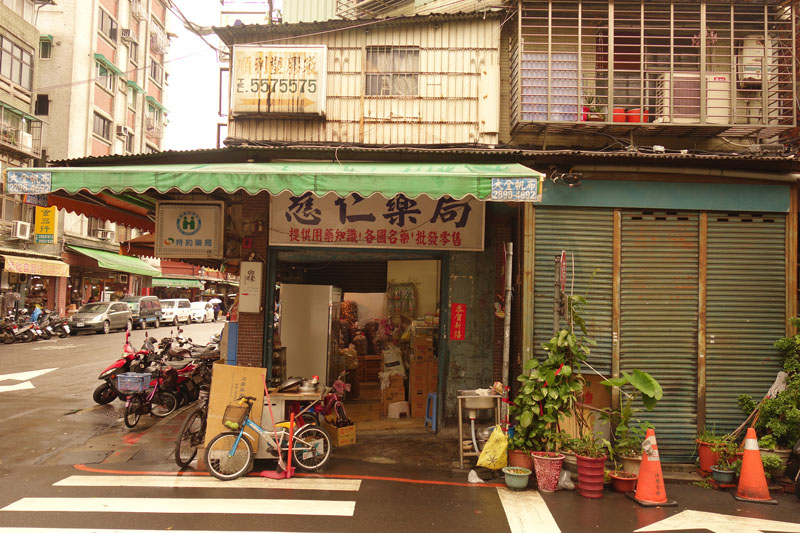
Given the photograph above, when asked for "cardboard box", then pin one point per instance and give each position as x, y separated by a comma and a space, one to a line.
433, 376
340, 436
393, 394
231, 383
418, 403
395, 382
423, 348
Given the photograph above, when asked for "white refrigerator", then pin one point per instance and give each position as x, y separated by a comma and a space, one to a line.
309, 330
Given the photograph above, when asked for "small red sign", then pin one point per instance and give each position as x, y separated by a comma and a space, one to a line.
563, 270
458, 322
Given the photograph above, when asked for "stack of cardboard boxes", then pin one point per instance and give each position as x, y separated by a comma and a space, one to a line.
424, 374
394, 392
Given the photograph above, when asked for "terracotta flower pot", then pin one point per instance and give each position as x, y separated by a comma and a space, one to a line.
707, 457
590, 476
520, 458
623, 481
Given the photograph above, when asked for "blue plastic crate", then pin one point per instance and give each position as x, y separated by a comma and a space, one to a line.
133, 382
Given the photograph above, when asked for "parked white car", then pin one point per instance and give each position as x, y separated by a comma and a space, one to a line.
202, 312
176, 310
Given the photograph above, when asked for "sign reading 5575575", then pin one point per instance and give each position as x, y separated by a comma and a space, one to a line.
278, 79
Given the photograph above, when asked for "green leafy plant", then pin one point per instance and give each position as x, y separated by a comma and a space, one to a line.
629, 430
771, 462
589, 445
549, 388
768, 442
779, 417
726, 449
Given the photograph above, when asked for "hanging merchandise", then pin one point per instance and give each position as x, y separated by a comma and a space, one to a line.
360, 343
349, 312
401, 300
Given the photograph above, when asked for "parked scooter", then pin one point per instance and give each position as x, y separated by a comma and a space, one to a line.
130, 361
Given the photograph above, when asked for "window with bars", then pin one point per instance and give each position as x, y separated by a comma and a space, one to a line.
392, 71
705, 62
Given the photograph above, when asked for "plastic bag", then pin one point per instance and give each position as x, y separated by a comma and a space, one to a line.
494, 455
473, 477
565, 480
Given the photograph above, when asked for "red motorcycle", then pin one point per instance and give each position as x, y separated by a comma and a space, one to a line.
108, 391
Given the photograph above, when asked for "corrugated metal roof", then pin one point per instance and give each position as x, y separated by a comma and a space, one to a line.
255, 151
248, 32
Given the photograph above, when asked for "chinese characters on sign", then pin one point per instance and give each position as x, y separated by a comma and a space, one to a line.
45, 225
517, 189
377, 222
279, 79
458, 322
27, 182
189, 229
250, 286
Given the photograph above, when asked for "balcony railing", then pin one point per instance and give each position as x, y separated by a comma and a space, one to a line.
27, 143
355, 9
154, 129
674, 67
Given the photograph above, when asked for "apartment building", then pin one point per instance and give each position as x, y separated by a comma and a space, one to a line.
102, 85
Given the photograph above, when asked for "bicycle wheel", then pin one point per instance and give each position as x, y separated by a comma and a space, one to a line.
164, 402
190, 437
223, 461
133, 408
311, 447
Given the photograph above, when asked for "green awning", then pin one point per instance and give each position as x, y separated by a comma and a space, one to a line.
157, 104
135, 85
120, 263
177, 283
108, 64
389, 179
46, 37
18, 112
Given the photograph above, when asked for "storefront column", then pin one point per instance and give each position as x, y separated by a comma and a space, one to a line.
61, 291
252, 325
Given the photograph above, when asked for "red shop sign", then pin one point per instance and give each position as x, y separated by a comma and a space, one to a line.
458, 321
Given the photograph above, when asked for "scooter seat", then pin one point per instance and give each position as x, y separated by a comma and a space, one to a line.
179, 365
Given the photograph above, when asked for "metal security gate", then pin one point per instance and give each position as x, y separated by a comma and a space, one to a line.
658, 318
588, 236
746, 280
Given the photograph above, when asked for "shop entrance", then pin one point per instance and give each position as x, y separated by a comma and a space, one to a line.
375, 318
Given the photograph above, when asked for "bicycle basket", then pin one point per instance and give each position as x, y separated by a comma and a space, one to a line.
133, 382
235, 414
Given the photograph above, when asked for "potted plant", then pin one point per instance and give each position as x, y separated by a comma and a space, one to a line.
776, 417
592, 111
774, 455
591, 453
723, 471
629, 430
547, 393
706, 456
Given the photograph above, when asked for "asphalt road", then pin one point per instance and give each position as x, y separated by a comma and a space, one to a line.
69, 465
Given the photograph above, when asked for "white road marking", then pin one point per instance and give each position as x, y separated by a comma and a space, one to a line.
527, 511
24, 376
19, 386
186, 506
58, 346
719, 523
296, 483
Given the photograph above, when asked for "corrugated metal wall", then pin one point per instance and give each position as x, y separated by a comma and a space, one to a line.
745, 310
451, 58
308, 10
659, 318
588, 235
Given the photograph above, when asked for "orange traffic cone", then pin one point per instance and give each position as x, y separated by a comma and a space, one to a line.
650, 490
752, 482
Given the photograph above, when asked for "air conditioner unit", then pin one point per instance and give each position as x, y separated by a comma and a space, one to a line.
123, 131
122, 278
127, 35
678, 98
754, 54
104, 234
21, 230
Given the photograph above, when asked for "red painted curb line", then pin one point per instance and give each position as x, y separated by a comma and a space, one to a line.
85, 468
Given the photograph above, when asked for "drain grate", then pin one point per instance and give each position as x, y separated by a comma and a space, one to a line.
111, 411
153, 456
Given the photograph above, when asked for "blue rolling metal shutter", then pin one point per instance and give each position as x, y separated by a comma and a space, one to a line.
588, 235
658, 318
745, 310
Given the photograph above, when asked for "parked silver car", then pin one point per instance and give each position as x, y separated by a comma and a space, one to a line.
101, 317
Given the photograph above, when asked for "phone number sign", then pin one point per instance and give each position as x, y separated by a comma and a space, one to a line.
278, 79
418, 223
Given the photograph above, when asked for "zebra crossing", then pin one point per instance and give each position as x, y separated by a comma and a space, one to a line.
193, 506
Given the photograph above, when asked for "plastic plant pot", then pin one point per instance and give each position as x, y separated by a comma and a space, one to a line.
516, 477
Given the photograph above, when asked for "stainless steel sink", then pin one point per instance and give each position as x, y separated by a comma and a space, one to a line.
473, 401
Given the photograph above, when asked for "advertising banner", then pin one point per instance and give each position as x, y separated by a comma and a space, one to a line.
419, 223
190, 229
278, 79
45, 224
